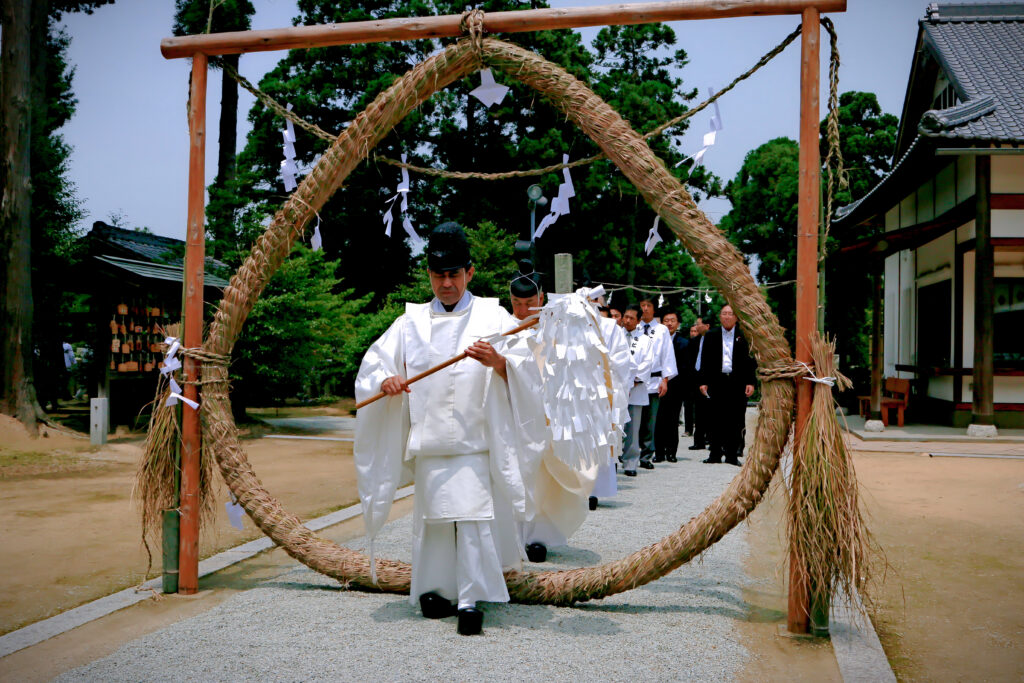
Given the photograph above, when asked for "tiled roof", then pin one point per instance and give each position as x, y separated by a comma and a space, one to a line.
159, 271
147, 246
981, 50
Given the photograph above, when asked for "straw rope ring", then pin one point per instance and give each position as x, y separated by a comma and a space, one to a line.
721, 262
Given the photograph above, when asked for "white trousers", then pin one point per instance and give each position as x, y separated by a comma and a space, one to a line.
606, 485
458, 561
463, 534
631, 446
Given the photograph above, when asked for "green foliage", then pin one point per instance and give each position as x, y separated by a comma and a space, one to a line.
762, 222
192, 17
301, 336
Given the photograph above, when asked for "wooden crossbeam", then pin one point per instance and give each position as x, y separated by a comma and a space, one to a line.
447, 26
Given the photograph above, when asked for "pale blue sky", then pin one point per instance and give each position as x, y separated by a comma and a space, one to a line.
130, 134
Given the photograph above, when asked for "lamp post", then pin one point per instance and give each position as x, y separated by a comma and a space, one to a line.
537, 198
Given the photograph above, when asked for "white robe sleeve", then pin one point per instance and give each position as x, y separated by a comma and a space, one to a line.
382, 431
517, 423
668, 356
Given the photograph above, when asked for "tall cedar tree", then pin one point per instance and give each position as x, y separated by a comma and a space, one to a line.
39, 210
192, 17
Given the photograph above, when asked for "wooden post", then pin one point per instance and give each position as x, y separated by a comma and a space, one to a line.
413, 28
875, 412
188, 556
983, 410
563, 273
806, 268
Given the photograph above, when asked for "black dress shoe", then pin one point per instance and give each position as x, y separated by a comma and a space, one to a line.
593, 502
434, 606
733, 462
629, 473
471, 621
671, 458
710, 461
535, 552
697, 447
646, 465
658, 458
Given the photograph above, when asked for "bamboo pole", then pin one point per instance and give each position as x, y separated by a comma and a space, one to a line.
188, 556
806, 270
530, 322
413, 28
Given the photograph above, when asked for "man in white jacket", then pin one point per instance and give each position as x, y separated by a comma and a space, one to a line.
454, 431
642, 352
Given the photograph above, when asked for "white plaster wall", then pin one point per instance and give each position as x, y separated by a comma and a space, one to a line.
965, 233
892, 218
926, 201
890, 320
945, 189
1007, 173
908, 210
936, 255
964, 177
968, 331
941, 388
908, 313
1004, 390
1008, 223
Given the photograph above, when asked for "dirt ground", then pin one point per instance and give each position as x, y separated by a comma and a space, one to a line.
71, 534
776, 656
951, 606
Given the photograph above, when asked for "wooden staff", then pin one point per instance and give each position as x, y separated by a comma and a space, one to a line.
530, 322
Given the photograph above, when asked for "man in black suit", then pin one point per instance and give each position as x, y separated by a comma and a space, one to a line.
695, 404
666, 436
726, 375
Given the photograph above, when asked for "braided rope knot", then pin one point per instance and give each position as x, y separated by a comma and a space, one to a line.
790, 369
207, 357
472, 24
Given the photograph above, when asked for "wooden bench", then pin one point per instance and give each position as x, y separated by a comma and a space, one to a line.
895, 396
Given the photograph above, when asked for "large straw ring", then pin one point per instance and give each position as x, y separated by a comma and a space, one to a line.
716, 256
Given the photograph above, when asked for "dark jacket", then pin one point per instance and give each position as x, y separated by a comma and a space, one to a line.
680, 342
743, 364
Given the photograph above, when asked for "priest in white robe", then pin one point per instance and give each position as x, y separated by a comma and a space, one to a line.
557, 493
456, 432
620, 372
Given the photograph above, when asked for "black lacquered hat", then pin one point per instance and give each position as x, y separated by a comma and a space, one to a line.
448, 248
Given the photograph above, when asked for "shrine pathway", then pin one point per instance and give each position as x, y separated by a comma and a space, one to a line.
302, 626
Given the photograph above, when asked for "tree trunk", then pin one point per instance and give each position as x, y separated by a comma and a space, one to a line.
17, 393
228, 123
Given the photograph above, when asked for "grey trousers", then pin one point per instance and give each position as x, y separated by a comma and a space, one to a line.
631, 444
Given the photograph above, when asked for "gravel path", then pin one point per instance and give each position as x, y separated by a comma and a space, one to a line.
303, 627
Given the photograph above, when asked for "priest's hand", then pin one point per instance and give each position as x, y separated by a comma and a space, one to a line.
486, 355
749, 390
394, 385
663, 386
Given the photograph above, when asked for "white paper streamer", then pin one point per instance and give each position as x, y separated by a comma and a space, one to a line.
171, 363
489, 92
714, 125
574, 395
288, 168
174, 398
653, 237
560, 204
388, 217
235, 513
